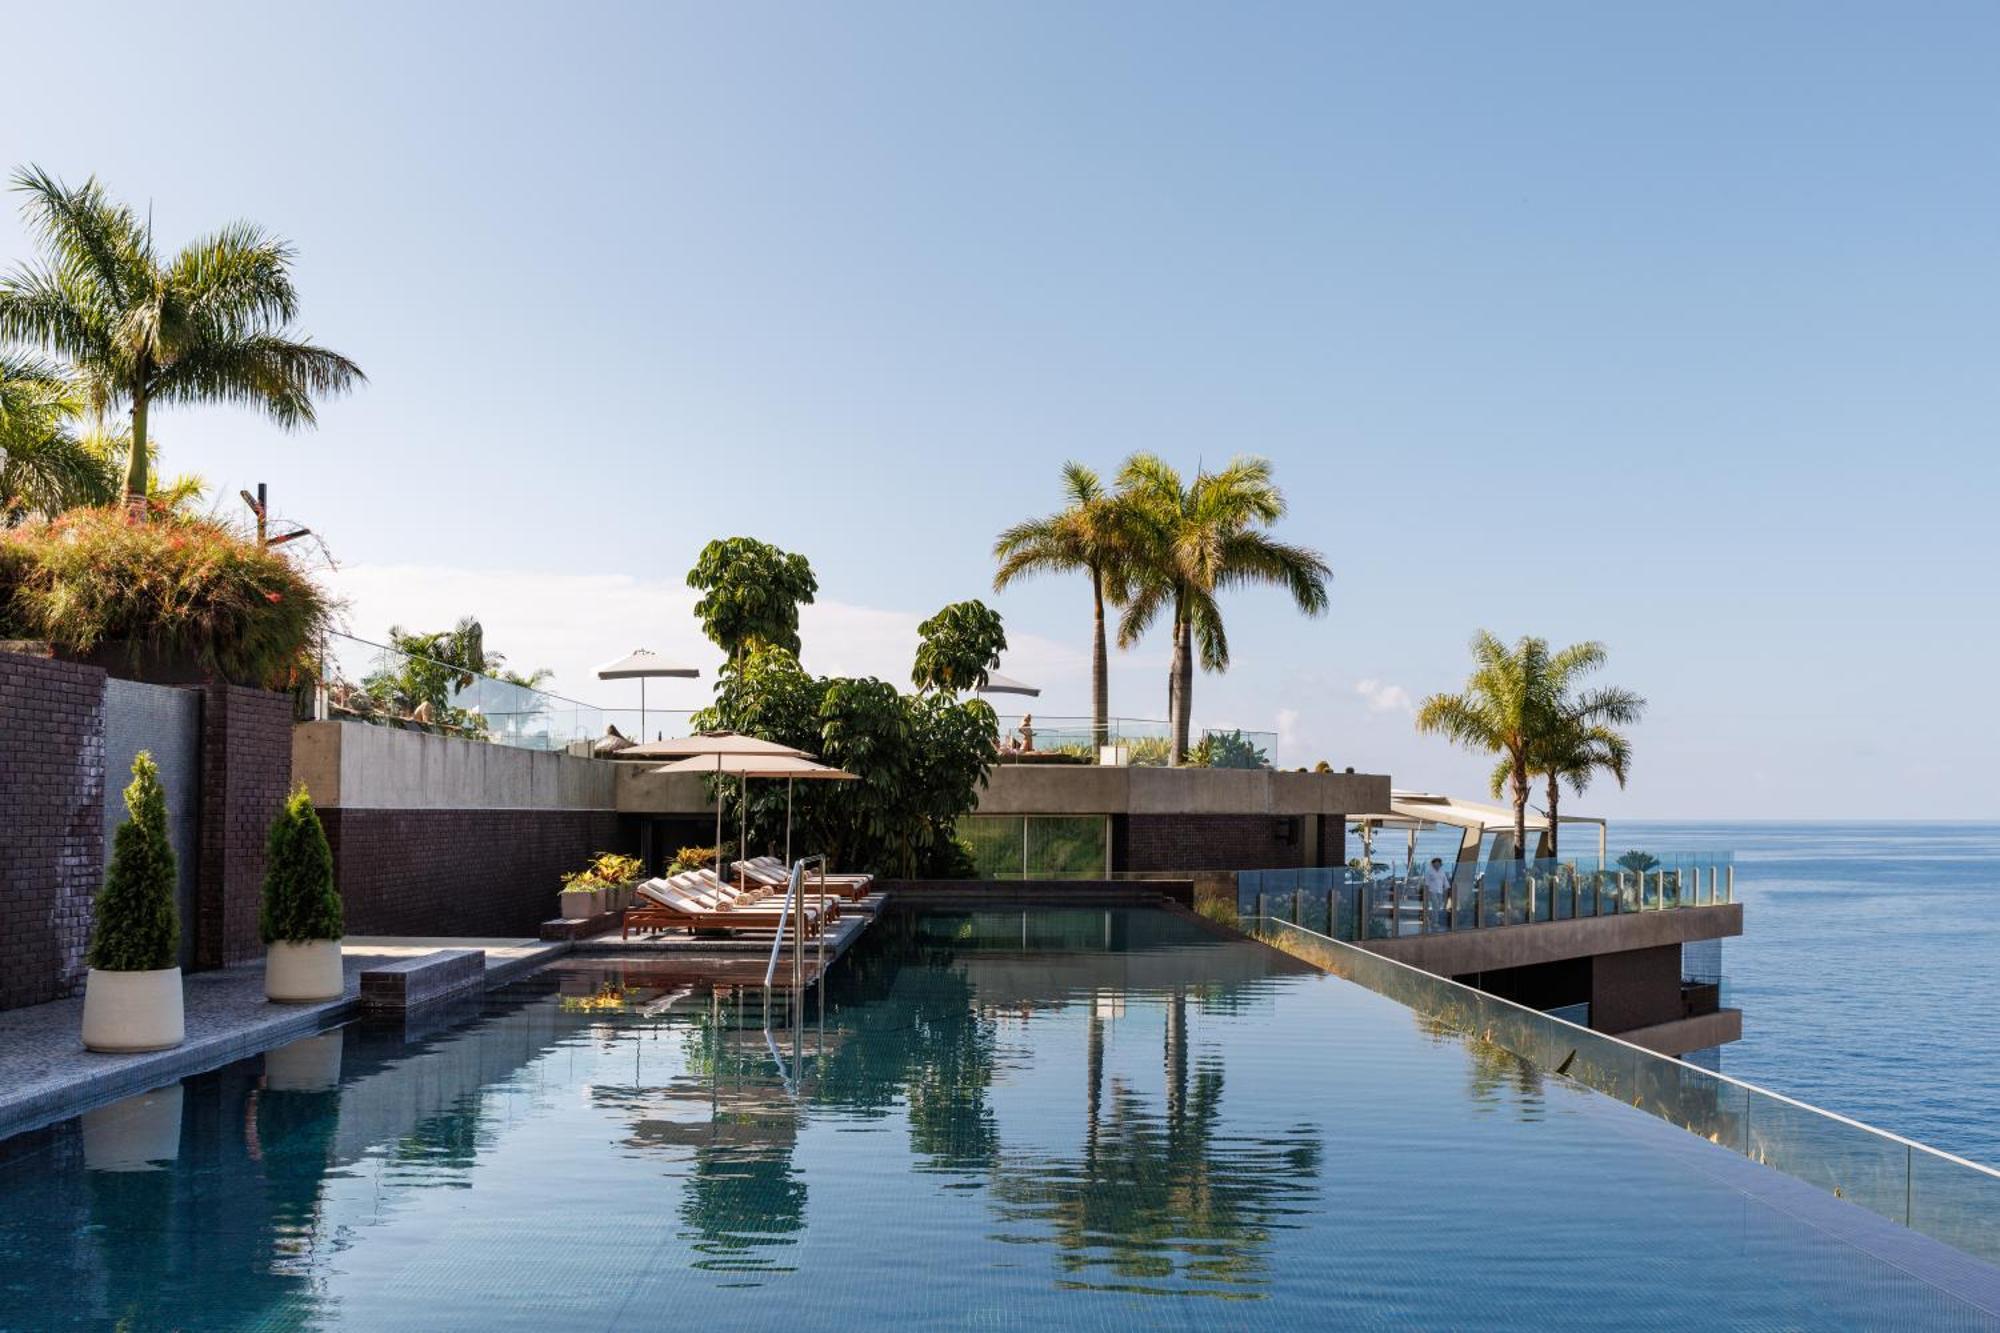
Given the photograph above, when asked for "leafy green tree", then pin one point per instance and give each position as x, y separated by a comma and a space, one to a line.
138, 926
957, 647
1511, 707
1089, 534
301, 903
1583, 738
921, 760
751, 594
209, 325
45, 466
1189, 542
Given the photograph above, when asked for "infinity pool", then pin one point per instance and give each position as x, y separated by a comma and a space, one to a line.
1042, 1119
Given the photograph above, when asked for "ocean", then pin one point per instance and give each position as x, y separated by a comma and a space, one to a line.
1868, 971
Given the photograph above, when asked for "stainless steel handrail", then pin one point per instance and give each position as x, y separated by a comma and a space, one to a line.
795, 892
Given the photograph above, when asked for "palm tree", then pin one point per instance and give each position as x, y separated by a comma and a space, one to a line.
1190, 541
1584, 740
1086, 534
1513, 706
210, 325
45, 466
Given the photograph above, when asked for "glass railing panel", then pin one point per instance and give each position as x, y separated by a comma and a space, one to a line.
1954, 1200
1944, 1197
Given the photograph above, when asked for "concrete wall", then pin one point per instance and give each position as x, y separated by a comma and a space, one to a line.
358, 766
437, 836
1465, 952
1056, 789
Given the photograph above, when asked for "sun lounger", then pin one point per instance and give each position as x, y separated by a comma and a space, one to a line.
704, 887
772, 863
661, 905
777, 880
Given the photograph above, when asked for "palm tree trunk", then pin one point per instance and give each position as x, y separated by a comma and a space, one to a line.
135, 466
1183, 720
1555, 796
1100, 667
1519, 783
1177, 693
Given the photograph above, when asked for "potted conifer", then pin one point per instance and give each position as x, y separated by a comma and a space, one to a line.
301, 921
132, 997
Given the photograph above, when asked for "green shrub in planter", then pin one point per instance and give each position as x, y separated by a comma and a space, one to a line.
138, 927
301, 903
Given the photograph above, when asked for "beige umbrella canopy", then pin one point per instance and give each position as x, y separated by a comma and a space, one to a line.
792, 766
643, 664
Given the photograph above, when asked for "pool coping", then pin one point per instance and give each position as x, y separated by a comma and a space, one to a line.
219, 1032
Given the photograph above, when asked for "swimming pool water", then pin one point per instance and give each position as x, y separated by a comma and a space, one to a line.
1006, 1119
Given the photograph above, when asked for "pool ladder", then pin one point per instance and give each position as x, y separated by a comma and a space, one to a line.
793, 913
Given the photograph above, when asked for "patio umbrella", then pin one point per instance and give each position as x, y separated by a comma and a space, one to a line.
642, 664
713, 749
791, 767
999, 684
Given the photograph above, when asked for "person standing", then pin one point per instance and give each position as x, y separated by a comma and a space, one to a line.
1437, 893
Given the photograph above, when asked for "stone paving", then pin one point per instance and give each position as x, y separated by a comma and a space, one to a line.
46, 1074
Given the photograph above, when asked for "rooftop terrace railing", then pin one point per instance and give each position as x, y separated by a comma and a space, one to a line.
362, 681
1942, 1196
1379, 901
1027, 738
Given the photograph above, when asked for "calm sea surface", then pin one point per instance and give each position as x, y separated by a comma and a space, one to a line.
1869, 969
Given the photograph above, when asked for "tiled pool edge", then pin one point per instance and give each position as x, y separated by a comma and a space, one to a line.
127, 1075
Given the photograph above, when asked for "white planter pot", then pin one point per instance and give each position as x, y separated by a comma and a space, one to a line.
133, 1011
581, 904
303, 973
135, 1134
310, 1064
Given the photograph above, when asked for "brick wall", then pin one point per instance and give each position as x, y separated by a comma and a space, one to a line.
460, 872
1211, 842
51, 823
246, 771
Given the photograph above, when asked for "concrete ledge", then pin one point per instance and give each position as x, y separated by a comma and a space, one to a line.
1463, 952
581, 927
1688, 1034
409, 983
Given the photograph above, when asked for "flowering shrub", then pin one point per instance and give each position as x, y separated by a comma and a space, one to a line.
179, 587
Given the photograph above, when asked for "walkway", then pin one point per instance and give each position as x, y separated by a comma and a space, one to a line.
46, 1075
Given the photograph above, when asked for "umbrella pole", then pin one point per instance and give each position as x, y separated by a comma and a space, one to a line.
743, 820
718, 816
789, 784
642, 710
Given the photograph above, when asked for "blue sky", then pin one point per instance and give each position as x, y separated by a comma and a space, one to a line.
1672, 327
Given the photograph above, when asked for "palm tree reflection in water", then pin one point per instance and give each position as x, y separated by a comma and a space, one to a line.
1160, 1201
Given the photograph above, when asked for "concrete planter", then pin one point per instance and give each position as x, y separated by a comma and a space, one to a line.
303, 973
310, 1064
135, 1134
581, 904
133, 1011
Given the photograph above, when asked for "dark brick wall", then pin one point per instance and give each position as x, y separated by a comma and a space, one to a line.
461, 872
246, 770
51, 823
1635, 988
1214, 842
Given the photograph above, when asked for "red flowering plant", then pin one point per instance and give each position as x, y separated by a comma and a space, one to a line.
185, 587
